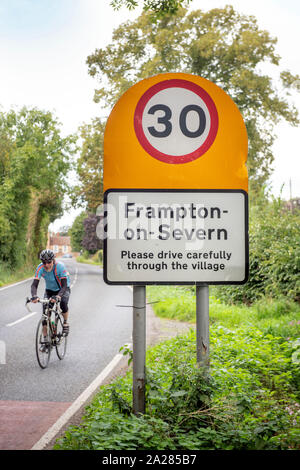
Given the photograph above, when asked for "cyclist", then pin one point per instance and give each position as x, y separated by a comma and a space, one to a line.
57, 281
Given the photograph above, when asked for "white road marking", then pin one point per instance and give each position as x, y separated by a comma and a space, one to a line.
77, 404
15, 284
21, 319
75, 278
33, 313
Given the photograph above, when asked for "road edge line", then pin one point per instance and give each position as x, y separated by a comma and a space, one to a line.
21, 319
76, 405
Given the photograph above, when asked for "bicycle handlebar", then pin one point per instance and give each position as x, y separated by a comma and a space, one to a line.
41, 301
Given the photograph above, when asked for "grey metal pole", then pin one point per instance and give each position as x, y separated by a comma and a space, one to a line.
202, 324
139, 348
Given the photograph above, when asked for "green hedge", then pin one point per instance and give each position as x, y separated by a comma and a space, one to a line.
274, 246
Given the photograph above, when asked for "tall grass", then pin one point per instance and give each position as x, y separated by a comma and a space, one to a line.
9, 275
279, 316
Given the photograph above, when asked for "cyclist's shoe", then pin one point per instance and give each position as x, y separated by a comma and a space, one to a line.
44, 347
66, 329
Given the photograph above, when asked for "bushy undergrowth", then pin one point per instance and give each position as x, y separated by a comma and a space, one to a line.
274, 255
249, 398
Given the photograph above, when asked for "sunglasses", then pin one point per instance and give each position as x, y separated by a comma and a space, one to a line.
47, 262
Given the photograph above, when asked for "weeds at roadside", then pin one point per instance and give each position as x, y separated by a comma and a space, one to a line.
248, 401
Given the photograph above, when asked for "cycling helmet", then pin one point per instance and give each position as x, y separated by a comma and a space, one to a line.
47, 255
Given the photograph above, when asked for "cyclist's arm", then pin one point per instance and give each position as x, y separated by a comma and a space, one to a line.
64, 285
34, 287
36, 280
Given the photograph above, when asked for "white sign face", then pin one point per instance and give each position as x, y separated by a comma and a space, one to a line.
176, 237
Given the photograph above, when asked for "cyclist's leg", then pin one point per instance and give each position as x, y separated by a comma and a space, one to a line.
48, 293
65, 310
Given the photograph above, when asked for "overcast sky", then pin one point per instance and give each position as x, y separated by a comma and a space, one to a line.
44, 45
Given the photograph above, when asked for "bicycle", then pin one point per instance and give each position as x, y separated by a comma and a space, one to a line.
53, 320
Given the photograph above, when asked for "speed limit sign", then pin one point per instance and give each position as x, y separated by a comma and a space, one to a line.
176, 121
175, 130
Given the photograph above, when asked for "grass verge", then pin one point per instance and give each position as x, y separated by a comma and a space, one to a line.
96, 259
9, 276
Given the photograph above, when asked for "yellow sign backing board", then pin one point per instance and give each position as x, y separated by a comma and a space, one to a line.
175, 131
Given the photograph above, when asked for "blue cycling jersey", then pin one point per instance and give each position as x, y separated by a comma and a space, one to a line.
53, 278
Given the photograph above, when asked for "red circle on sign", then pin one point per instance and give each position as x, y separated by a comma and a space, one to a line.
138, 117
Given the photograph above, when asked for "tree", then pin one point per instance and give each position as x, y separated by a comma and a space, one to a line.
159, 7
64, 230
34, 161
90, 167
90, 241
77, 232
220, 45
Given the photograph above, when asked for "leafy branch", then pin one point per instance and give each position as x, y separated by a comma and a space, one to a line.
159, 7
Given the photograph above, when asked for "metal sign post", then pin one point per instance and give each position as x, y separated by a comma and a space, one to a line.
139, 348
202, 324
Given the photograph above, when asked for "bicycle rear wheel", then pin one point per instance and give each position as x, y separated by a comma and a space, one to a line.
61, 339
42, 348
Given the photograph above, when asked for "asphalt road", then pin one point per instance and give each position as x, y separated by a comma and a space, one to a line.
98, 328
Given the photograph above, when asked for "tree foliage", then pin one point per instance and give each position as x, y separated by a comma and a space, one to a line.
220, 45
90, 167
159, 7
91, 242
64, 230
34, 161
274, 234
77, 232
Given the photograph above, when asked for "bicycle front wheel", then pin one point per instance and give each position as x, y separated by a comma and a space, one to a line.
61, 339
42, 346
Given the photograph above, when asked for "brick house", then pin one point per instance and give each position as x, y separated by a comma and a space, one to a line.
61, 245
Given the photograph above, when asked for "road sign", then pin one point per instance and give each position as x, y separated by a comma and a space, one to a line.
176, 237
175, 183
176, 121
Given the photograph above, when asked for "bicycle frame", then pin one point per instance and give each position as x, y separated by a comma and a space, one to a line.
50, 309
53, 321
52, 315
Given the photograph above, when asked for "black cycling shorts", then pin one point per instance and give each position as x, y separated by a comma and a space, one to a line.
64, 300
